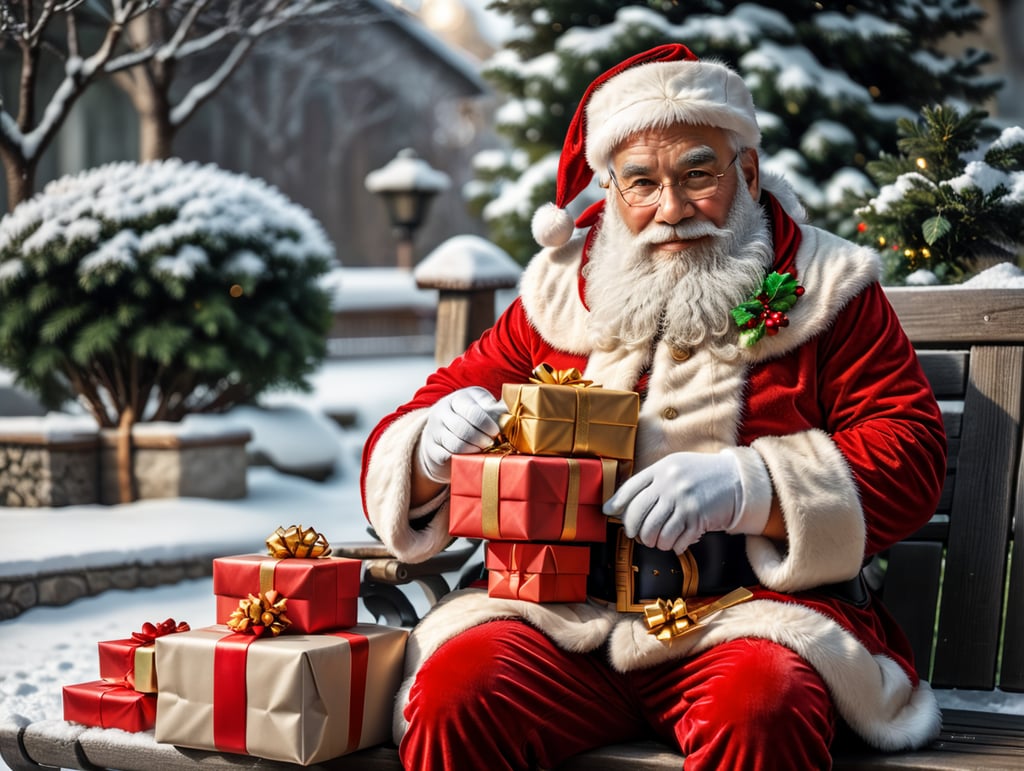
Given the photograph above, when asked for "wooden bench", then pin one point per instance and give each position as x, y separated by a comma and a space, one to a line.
953, 585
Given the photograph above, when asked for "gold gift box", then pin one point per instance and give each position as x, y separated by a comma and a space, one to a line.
571, 420
295, 698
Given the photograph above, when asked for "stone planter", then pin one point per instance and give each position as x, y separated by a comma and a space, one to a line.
169, 462
41, 465
61, 460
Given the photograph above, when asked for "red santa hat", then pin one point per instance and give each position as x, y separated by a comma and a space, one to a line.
653, 89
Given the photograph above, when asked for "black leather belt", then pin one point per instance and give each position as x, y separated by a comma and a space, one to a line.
630, 575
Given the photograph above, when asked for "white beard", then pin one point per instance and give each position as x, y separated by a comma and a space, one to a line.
636, 297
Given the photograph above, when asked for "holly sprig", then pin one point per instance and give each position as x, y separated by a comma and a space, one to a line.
765, 312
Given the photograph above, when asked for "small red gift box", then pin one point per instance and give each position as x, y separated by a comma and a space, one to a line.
322, 593
538, 572
109, 705
132, 661
530, 497
128, 662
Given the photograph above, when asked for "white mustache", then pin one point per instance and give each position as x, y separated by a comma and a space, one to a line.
660, 234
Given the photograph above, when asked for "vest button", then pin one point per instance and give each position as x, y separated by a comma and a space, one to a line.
680, 354
670, 413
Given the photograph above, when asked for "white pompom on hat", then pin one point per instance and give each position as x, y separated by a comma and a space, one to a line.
654, 89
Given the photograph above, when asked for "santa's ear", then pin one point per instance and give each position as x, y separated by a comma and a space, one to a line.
750, 165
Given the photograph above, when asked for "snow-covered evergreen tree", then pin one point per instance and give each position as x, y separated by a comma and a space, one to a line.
950, 202
829, 79
150, 291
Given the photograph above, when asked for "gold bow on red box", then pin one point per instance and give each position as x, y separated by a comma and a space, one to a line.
668, 619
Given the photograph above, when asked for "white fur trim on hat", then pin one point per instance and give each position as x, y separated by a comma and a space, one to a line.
661, 94
552, 226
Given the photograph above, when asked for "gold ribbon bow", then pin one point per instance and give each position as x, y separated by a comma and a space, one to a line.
545, 374
297, 541
667, 620
258, 614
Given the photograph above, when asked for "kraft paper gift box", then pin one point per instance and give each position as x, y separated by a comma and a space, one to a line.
529, 497
109, 705
132, 661
322, 593
537, 572
563, 419
294, 698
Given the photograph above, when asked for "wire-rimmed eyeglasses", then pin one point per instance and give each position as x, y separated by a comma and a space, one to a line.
697, 184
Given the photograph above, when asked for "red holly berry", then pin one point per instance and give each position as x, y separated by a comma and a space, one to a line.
799, 291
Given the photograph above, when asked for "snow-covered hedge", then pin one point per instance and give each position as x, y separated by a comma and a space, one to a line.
164, 288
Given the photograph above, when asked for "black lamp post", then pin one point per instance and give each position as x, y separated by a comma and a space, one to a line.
407, 184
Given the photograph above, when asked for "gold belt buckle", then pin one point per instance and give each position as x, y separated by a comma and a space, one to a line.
624, 570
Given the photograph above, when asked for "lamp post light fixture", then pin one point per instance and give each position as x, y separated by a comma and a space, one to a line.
407, 183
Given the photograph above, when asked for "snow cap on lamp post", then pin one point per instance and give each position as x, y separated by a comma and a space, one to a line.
654, 89
407, 183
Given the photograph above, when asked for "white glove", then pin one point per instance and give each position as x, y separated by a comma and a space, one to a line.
670, 504
464, 421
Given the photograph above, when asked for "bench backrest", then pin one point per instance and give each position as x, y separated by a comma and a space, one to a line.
954, 586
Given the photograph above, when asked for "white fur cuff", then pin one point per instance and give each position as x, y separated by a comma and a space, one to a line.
388, 489
754, 503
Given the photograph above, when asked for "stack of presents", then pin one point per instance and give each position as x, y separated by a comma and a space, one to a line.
288, 674
536, 499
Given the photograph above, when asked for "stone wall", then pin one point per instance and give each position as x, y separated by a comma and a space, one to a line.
37, 472
21, 593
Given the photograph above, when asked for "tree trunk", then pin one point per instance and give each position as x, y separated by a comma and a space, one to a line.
125, 470
20, 175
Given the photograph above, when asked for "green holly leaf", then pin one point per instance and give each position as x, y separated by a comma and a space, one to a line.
783, 303
741, 316
749, 337
773, 282
935, 228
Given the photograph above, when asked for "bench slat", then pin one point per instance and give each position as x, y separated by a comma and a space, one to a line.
970, 618
1011, 677
911, 593
949, 315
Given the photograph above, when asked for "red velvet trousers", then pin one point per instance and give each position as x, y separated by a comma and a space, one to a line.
503, 696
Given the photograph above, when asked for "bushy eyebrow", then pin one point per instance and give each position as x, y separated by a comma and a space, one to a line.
698, 156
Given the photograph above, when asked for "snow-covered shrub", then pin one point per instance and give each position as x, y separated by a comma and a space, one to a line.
161, 289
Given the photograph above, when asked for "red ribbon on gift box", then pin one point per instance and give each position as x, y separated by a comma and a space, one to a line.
230, 697
150, 632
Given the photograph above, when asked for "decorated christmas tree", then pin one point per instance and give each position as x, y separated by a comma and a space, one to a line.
950, 202
829, 79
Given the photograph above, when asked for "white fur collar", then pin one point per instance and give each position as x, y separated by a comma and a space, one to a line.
831, 269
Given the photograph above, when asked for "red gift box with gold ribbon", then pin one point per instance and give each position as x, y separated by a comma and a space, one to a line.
109, 705
538, 572
322, 593
132, 661
293, 698
530, 497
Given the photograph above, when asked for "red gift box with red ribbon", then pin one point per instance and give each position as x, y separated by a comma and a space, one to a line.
537, 572
109, 705
321, 593
132, 661
294, 698
530, 497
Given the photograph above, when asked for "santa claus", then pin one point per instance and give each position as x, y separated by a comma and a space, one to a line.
777, 451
